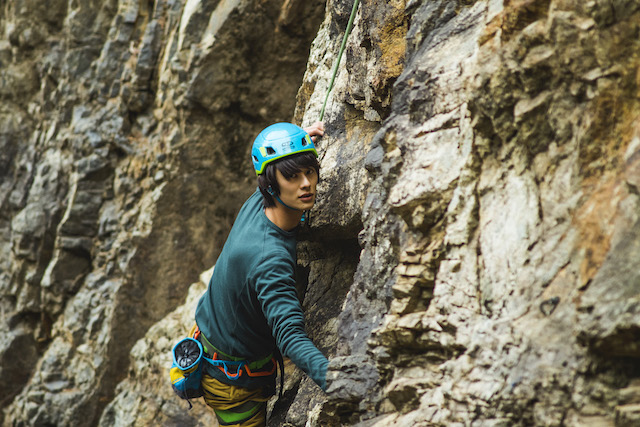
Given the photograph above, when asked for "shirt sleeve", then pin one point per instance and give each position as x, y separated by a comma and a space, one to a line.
276, 292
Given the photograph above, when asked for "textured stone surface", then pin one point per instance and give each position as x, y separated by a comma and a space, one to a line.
472, 255
144, 398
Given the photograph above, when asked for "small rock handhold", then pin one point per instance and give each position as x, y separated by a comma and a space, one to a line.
548, 306
350, 378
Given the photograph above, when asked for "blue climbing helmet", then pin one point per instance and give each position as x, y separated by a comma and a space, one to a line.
277, 141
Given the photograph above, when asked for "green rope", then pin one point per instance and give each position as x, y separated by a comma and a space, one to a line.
335, 67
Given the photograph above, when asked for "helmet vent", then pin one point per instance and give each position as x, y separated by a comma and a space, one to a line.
270, 151
255, 159
304, 142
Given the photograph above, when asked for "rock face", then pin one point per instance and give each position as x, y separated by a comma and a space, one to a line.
472, 256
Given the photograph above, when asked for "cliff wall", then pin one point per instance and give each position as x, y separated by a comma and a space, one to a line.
471, 259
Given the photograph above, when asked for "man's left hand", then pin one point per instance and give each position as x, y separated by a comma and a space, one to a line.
315, 130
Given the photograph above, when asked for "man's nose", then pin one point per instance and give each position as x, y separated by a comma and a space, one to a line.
305, 181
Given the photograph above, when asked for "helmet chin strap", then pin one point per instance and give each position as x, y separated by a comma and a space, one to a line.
273, 194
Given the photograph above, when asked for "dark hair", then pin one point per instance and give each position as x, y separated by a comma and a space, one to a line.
288, 166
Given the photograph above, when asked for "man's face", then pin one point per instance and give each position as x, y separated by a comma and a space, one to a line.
299, 190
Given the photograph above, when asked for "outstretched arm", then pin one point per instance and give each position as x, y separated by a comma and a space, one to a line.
276, 293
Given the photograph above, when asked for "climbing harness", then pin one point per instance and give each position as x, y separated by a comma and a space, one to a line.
239, 366
187, 368
337, 63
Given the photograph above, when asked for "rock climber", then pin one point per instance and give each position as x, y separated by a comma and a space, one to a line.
251, 310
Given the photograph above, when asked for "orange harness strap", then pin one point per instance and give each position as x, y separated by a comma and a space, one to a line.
196, 334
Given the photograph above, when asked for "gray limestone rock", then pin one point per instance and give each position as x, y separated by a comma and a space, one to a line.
350, 378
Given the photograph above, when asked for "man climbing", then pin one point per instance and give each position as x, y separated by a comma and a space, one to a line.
250, 311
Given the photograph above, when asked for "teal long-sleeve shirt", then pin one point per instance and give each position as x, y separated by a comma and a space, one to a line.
251, 305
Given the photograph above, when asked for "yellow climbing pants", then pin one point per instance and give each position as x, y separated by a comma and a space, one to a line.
235, 406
